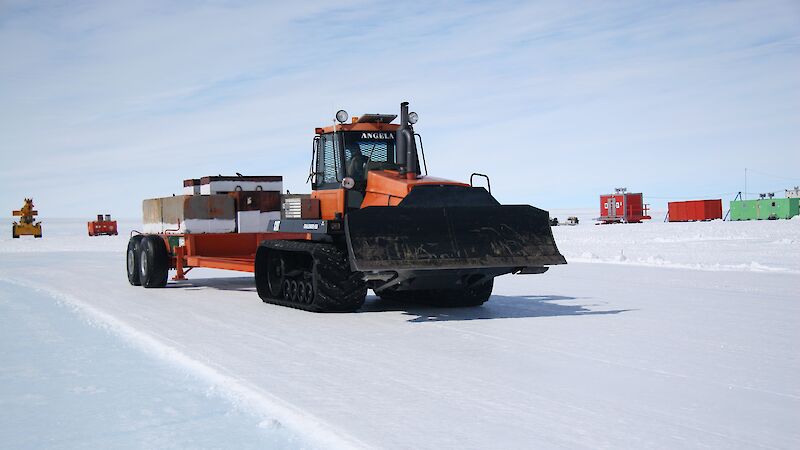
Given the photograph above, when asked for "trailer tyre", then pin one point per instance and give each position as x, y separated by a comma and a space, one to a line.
132, 260
153, 262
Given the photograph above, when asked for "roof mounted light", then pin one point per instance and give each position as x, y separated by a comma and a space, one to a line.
342, 116
413, 118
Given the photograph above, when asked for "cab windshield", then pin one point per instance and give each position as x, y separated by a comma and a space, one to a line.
365, 151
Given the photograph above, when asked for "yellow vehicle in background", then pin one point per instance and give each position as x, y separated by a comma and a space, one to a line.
26, 225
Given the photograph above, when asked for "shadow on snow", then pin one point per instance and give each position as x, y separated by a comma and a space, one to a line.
498, 306
243, 284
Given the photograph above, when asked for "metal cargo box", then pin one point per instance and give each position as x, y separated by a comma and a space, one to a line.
256, 200
191, 187
224, 184
189, 214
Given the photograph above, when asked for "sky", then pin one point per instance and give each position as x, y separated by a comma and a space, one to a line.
106, 103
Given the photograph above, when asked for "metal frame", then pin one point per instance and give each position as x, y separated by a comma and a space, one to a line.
228, 251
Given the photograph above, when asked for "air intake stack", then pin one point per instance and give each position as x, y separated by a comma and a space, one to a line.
406, 146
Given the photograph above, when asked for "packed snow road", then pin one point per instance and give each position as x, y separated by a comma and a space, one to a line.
67, 384
588, 355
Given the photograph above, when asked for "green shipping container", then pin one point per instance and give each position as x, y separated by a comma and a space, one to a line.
765, 208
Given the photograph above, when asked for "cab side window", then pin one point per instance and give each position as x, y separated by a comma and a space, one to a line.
327, 162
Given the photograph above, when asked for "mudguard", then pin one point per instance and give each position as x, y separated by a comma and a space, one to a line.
449, 227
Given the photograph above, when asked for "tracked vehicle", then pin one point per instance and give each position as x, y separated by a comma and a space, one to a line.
374, 219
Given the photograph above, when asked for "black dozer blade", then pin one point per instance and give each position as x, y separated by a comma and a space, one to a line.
450, 227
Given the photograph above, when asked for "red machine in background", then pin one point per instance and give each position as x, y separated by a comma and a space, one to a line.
623, 207
695, 210
103, 226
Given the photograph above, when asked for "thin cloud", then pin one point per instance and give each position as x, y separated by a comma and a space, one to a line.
104, 104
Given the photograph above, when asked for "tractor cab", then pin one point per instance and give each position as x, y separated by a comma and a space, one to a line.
369, 161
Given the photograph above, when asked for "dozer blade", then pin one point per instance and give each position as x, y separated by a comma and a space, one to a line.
444, 230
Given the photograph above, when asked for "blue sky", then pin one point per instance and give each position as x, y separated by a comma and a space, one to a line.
104, 103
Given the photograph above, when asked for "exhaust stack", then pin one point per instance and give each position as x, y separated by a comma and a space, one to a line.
406, 146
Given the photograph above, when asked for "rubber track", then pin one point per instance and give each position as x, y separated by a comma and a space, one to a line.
336, 287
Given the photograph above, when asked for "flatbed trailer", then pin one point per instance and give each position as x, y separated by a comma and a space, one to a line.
226, 251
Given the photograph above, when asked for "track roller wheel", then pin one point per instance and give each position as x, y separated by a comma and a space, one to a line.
287, 290
309, 292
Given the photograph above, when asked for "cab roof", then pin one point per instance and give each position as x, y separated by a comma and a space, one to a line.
359, 126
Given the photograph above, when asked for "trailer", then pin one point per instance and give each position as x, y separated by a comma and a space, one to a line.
184, 252
767, 207
622, 207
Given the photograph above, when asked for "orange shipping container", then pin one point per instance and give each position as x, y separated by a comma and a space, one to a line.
695, 210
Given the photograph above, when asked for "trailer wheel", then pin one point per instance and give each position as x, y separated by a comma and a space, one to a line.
132, 260
153, 262
447, 298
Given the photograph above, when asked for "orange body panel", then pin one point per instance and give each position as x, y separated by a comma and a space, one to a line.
331, 201
232, 244
387, 188
384, 188
229, 251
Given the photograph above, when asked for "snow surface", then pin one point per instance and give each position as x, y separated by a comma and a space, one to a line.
66, 384
654, 336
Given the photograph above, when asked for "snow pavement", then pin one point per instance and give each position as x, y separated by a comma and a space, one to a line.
67, 384
654, 336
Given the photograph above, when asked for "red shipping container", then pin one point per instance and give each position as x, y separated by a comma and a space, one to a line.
695, 210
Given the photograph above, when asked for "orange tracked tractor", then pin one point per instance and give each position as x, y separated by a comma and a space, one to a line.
374, 219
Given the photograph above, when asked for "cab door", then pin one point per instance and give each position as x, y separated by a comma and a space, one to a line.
328, 175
